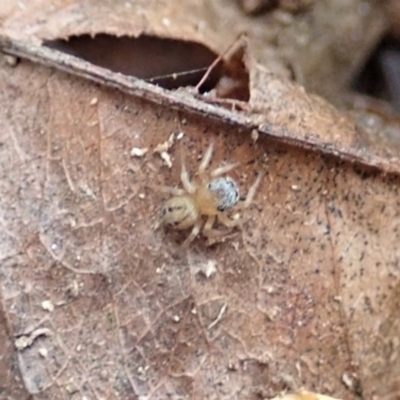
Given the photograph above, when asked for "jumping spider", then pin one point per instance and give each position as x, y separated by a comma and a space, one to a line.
209, 197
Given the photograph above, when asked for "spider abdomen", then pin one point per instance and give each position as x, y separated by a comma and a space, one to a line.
226, 191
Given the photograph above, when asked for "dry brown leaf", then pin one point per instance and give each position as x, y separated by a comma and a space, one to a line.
321, 48
305, 296
309, 289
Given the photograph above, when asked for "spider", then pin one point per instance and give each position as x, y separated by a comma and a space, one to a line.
208, 197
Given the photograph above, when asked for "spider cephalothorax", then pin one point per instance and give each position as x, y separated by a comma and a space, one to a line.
209, 197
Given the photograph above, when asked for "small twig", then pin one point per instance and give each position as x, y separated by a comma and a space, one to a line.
218, 59
219, 317
249, 119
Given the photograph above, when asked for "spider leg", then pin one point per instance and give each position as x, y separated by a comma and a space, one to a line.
170, 190
205, 161
215, 235
253, 189
195, 231
206, 158
209, 224
189, 187
229, 223
208, 228
223, 170
209, 231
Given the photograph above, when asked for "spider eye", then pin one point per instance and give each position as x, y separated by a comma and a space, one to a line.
166, 210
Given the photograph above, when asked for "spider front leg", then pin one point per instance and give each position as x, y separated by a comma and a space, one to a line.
223, 170
187, 184
205, 161
195, 231
170, 190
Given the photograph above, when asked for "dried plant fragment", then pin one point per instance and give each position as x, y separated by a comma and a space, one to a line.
25, 341
304, 395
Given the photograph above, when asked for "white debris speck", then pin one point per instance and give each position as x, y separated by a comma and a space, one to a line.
12, 61
73, 289
94, 101
142, 370
235, 245
171, 139
270, 289
166, 21
139, 152
296, 188
272, 313
236, 216
47, 305
176, 318
161, 147
254, 135
208, 268
86, 190
22, 342
54, 246
180, 135
194, 311
141, 196
166, 158
347, 381
43, 352
283, 17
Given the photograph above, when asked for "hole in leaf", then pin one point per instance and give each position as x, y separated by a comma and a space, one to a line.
380, 76
168, 63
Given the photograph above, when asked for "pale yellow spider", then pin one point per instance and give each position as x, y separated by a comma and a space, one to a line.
208, 197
